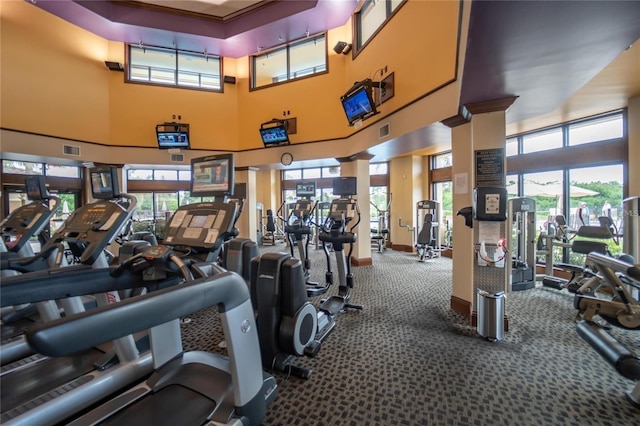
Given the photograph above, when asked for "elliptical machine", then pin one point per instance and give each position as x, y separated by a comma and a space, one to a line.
337, 232
288, 324
298, 229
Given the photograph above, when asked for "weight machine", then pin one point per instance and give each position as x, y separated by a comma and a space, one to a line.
380, 235
622, 310
428, 236
521, 226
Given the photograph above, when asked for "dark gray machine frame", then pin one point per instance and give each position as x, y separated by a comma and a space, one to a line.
521, 227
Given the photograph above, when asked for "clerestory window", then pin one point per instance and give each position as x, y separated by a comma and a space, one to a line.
173, 67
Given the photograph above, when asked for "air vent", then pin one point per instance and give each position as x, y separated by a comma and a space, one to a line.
71, 150
384, 131
177, 158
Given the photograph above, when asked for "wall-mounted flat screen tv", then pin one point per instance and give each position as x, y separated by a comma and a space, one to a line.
36, 187
212, 176
104, 182
274, 136
358, 102
305, 189
345, 186
173, 136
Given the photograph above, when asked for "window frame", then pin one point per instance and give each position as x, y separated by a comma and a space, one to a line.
358, 44
287, 48
176, 69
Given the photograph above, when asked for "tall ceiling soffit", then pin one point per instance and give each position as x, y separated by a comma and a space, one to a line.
232, 28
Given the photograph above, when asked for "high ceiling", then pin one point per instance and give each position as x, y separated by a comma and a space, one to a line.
562, 59
229, 28
219, 8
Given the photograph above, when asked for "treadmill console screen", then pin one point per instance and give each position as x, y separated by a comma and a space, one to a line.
201, 226
198, 221
24, 223
93, 226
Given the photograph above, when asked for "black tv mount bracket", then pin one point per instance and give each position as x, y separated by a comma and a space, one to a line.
177, 126
358, 84
275, 122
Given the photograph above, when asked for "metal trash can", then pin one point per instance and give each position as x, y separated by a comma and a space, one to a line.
490, 308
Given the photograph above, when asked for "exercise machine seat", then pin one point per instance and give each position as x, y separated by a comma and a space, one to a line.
626, 362
271, 224
425, 236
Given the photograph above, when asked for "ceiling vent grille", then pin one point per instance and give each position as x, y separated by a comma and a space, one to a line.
71, 150
384, 131
177, 158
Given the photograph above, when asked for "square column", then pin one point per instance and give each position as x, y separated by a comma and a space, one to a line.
358, 166
248, 221
478, 126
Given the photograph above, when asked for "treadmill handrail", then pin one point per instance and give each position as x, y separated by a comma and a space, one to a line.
106, 323
73, 280
228, 290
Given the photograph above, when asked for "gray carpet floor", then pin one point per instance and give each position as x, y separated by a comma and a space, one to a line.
407, 359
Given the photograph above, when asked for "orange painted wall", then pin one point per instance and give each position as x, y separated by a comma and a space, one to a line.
418, 45
52, 76
54, 82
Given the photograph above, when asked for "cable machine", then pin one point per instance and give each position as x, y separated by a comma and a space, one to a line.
521, 226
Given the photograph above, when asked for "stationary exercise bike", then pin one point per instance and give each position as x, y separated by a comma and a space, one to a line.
338, 230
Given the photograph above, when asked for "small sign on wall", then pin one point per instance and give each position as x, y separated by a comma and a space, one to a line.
490, 167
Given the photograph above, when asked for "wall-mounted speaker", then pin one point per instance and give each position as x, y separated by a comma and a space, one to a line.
229, 79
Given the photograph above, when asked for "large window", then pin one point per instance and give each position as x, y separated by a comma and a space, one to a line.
441, 161
371, 17
604, 128
443, 193
173, 67
542, 141
21, 167
289, 62
579, 187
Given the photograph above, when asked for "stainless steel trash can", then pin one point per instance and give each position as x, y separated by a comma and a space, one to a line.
490, 308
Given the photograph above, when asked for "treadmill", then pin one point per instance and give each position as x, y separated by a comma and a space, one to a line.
90, 228
16, 231
195, 231
186, 388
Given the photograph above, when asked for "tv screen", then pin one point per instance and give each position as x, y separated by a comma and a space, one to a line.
35, 187
305, 189
274, 136
168, 140
345, 186
240, 191
104, 182
212, 176
173, 136
358, 102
